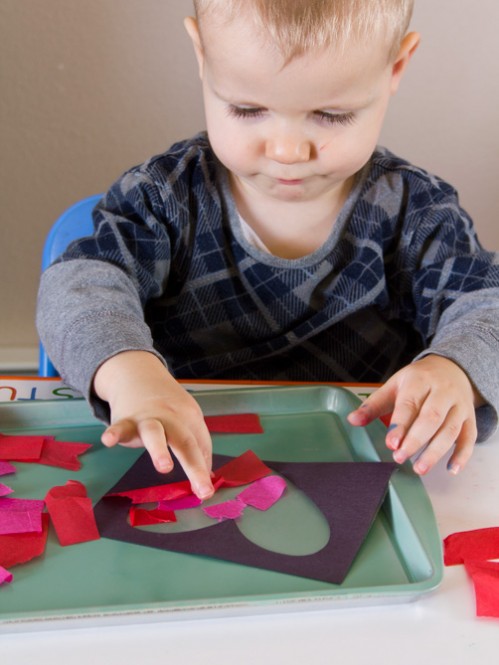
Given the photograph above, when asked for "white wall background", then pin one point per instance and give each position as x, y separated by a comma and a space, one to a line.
90, 87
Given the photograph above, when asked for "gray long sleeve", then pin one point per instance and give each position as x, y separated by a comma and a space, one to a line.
96, 315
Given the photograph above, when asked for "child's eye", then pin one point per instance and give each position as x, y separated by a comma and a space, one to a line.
245, 111
335, 118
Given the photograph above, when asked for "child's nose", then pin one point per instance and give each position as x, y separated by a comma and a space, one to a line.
288, 149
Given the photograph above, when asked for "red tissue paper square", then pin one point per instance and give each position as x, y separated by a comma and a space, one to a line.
485, 576
71, 513
20, 448
22, 547
63, 454
475, 545
142, 517
474, 549
236, 423
155, 493
42, 450
241, 470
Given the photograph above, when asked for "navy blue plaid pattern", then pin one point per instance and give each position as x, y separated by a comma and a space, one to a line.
357, 309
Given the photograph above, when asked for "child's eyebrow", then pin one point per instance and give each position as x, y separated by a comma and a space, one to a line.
231, 99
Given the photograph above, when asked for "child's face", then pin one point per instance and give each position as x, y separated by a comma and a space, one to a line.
296, 131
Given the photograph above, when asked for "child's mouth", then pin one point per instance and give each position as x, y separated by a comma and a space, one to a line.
294, 181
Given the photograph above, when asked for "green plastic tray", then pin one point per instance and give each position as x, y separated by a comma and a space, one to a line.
106, 581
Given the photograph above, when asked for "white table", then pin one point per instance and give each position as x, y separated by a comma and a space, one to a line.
438, 628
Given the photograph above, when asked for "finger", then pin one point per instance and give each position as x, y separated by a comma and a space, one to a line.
152, 435
121, 432
465, 445
380, 403
436, 420
207, 449
408, 413
193, 459
204, 441
443, 440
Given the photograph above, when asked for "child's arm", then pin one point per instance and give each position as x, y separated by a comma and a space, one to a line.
433, 403
149, 408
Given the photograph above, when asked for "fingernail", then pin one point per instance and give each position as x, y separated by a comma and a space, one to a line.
393, 442
108, 437
399, 456
421, 468
204, 491
360, 418
453, 468
164, 464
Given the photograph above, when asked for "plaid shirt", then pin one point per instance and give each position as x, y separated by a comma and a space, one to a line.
402, 271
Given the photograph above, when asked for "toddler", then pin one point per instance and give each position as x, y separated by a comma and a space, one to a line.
283, 244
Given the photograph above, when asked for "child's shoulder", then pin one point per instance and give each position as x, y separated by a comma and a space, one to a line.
388, 168
183, 159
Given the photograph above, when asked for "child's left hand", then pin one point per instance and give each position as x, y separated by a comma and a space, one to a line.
433, 403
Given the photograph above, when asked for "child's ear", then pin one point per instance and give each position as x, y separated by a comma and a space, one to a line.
407, 48
191, 25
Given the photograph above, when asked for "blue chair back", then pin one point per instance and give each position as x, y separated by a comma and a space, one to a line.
74, 223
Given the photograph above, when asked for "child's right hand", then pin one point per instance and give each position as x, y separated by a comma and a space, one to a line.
150, 408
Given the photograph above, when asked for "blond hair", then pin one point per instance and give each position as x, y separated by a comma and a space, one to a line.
300, 26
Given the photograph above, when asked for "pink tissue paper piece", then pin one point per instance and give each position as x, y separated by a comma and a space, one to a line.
22, 504
263, 493
4, 490
20, 516
228, 510
6, 468
16, 521
5, 576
